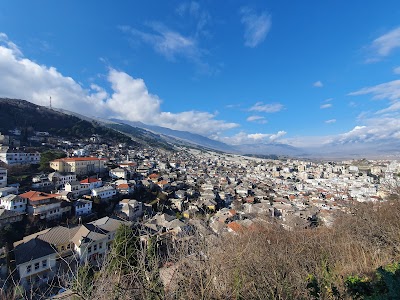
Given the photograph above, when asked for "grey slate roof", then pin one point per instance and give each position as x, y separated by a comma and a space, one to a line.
31, 250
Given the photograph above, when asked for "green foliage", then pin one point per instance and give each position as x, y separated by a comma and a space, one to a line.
385, 285
83, 282
46, 157
323, 287
123, 256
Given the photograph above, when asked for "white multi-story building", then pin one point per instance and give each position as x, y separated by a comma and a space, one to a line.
14, 203
61, 178
104, 192
17, 157
82, 207
77, 188
3, 177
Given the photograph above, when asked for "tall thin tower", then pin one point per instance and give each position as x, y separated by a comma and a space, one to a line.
50, 103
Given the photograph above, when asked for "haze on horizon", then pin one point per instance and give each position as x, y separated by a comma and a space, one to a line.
241, 72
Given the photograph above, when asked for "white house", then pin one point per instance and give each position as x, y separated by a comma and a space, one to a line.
8, 190
92, 183
14, 203
118, 173
76, 188
82, 207
104, 192
61, 178
17, 157
132, 209
35, 261
3, 177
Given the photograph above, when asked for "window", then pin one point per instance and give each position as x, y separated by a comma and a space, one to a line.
95, 248
37, 265
44, 263
28, 269
89, 250
100, 245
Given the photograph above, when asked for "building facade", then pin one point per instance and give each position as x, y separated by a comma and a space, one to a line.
79, 165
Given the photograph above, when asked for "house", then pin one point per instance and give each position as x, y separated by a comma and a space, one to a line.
14, 203
9, 216
39, 256
94, 239
8, 190
104, 192
125, 188
45, 206
35, 261
3, 177
60, 179
79, 165
17, 157
92, 183
77, 189
131, 209
118, 173
81, 207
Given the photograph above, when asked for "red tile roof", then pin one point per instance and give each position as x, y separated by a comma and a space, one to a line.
37, 196
79, 159
90, 180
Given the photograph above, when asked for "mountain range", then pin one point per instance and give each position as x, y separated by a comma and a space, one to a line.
21, 113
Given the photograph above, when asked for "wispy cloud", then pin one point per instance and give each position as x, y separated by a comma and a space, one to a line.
256, 26
166, 42
268, 108
258, 119
388, 90
197, 14
396, 70
385, 44
318, 84
330, 121
326, 105
172, 45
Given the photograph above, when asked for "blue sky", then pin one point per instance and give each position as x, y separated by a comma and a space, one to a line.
297, 72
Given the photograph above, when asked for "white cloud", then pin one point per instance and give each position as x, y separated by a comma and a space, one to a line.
396, 70
258, 119
166, 42
388, 90
252, 138
326, 105
385, 44
268, 108
330, 121
256, 26
129, 99
318, 84
395, 106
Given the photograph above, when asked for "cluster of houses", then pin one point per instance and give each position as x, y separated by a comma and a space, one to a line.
213, 193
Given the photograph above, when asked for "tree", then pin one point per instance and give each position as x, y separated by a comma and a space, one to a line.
46, 157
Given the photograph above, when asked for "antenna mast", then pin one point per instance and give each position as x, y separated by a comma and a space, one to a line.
50, 103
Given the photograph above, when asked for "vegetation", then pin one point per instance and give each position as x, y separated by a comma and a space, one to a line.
356, 259
46, 157
30, 117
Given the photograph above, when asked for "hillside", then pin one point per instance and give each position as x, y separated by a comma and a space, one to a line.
29, 117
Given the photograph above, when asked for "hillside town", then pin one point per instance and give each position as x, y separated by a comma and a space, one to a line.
71, 214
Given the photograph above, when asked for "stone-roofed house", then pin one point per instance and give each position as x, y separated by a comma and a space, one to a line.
35, 261
9, 216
